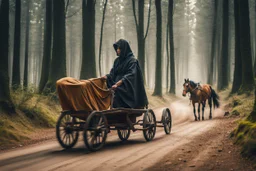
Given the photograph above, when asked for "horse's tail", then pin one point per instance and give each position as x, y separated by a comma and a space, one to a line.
215, 98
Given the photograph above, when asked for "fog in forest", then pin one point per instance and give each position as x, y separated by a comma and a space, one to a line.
193, 34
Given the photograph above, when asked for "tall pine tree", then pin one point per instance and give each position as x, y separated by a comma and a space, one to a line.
158, 75
5, 98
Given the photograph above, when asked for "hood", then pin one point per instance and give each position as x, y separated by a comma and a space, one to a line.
125, 48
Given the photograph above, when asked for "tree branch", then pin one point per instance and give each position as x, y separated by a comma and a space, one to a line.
74, 13
66, 9
134, 14
101, 33
149, 10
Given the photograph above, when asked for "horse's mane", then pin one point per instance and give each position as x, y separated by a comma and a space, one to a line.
192, 83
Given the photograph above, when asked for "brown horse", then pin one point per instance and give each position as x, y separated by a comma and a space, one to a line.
199, 94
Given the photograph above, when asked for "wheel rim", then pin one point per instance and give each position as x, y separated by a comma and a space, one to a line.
123, 134
167, 121
65, 130
95, 132
149, 121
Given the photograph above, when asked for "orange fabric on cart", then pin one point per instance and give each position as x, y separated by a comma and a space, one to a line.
86, 95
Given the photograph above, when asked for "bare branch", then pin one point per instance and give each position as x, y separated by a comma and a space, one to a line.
134, 13
74, 13
149, 10
66, 9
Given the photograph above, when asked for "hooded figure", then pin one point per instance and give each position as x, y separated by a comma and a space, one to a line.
126, 78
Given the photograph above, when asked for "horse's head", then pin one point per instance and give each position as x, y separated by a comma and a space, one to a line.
186, 87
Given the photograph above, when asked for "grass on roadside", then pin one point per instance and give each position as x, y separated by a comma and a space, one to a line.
245, 133
33, 112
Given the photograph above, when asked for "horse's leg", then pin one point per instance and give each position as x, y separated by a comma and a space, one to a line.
194, 111
210, 104
198, 111
203, 106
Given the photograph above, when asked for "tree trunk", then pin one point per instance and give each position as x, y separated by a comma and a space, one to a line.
58, 62
245, 45
255, 44
167, 56
237, 81
25, 78
5, 98
140, 32
218, 42
223, 65
140, 37
88, 62
39, 61
172, 60
47, 46
252, 116
16, 50
255, 62
101, 34
213, 45
158, 75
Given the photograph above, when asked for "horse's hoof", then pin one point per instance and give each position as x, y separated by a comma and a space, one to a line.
195, 119
199, 119
210, 117
202, 118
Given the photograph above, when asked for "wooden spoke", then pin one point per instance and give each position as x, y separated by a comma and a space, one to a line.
123, 134
149, 125
95, 132
66, 134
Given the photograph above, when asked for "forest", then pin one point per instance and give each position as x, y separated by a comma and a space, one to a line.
208, 41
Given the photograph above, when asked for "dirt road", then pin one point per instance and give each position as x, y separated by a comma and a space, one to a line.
191, 146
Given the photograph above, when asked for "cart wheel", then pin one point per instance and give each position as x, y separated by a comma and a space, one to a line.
65, 132
149, 122
95, 132
167, 120
123, 134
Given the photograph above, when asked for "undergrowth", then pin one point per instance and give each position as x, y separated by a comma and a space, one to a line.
245, 133
33, 112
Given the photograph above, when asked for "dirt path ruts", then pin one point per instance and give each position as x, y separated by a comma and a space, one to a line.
190, 146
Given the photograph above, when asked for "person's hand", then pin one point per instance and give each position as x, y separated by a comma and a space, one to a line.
117, 84
114, 86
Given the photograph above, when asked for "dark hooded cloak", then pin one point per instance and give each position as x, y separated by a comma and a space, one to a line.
131, 93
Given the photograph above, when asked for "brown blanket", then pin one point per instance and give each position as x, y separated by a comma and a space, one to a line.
86, 95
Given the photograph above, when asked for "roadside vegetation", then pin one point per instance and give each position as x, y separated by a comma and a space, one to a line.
34, 112
243, 106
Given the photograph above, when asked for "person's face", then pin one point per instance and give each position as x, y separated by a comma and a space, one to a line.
118, 51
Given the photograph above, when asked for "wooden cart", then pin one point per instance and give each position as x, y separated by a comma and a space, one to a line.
97, 124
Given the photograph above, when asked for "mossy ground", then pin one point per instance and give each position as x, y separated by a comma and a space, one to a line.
33, 112
245, 133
